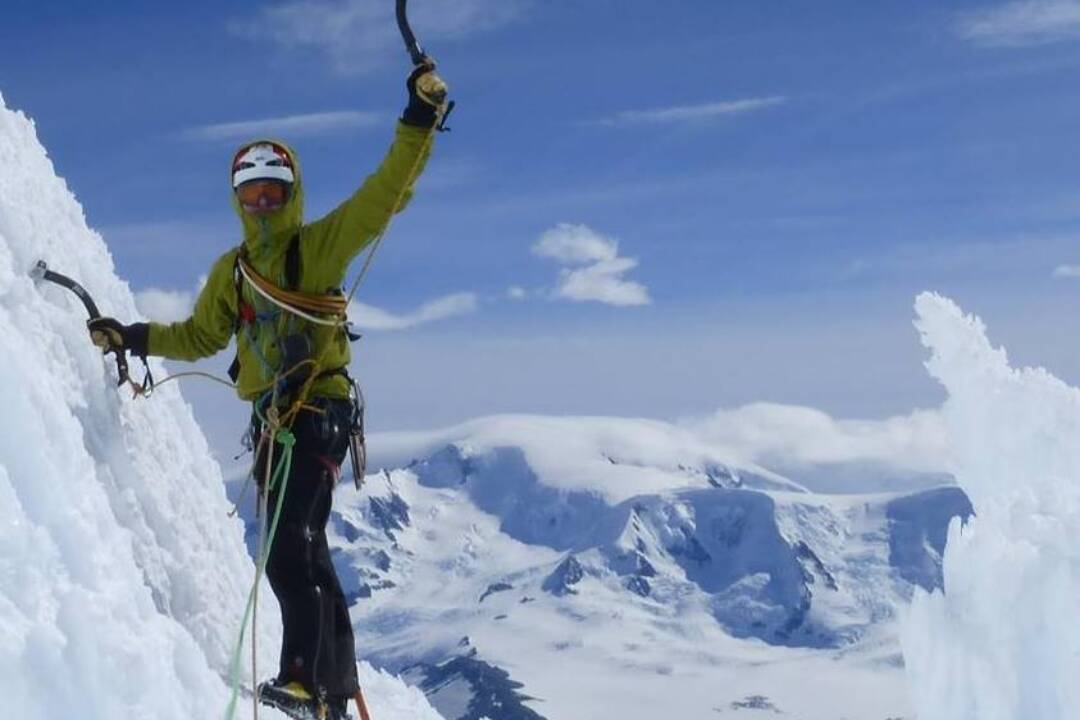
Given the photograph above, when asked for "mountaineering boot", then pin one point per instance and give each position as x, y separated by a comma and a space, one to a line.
335, 707
293, 699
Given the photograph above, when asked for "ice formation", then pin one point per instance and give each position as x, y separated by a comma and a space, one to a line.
1001, 643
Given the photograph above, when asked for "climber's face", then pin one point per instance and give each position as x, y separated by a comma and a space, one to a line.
263, 197
263, 177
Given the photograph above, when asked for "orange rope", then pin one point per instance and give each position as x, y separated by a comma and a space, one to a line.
310, 302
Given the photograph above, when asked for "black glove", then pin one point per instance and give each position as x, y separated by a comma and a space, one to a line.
109, 335
427, 97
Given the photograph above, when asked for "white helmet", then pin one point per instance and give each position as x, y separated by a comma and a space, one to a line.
262, 161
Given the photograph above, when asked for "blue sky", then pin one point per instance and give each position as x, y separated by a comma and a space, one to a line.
781, 179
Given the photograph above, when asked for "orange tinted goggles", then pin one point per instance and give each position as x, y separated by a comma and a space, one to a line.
263, 194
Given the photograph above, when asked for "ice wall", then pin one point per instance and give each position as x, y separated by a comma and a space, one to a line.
1002, 643
122, 578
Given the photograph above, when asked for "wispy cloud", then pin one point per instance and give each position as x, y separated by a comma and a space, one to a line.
369, 317
833, 455
358, 35
770, 433
451, 174
600, 275
690, 113
290, 125
1021, 23
167, 306
1067, 271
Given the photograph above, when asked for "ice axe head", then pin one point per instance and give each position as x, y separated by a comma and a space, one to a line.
37, 273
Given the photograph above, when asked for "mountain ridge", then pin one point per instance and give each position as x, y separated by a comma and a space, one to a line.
485, 545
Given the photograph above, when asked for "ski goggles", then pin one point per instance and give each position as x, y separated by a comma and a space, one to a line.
262, 196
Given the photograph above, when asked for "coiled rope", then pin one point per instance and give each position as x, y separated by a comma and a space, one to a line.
298, 303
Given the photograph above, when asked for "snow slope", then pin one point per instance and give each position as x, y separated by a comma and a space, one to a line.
1002, 643
122, 577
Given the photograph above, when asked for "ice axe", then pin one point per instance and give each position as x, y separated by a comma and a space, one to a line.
41, 272
419, 57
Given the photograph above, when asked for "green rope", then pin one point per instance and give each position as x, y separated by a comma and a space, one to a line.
287, 440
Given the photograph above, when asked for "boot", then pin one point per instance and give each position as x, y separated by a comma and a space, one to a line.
337, 708
291, 698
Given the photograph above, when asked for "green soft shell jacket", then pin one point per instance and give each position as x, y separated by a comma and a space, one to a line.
326, 248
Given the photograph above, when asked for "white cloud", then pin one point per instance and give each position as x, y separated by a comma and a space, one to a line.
688, 113
358, 35
516, 292
368, 317
603, 282
291, 125
1067, 271
1026, 22
167, 306
575, 244
601, 279
794, 436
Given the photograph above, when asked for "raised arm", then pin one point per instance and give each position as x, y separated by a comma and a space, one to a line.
335, 240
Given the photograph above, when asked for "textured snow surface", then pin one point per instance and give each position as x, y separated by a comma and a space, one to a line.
122, 578
1002, 643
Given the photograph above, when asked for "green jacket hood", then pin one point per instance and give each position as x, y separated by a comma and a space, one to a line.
266, 237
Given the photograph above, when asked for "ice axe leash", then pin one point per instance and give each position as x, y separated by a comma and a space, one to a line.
41, 272
419, 57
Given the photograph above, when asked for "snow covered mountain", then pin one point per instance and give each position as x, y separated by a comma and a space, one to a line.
122, 576
525, 567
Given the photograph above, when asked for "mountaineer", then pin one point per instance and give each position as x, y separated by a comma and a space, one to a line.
279, 293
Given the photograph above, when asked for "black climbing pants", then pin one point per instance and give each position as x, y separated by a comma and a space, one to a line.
317, 648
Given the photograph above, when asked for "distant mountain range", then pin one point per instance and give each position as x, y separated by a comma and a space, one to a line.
580, 568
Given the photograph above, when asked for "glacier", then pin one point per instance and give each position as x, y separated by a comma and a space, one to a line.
122, 575
1000, 642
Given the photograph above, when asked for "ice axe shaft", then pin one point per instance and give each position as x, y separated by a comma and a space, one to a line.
42, 272
419, 57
